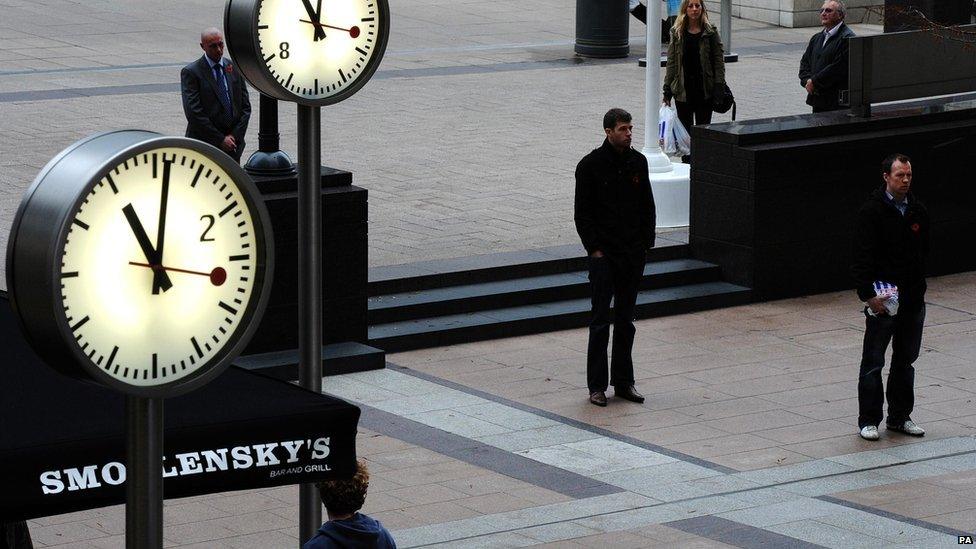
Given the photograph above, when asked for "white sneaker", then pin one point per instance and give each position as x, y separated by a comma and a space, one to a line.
909, 428
870, 432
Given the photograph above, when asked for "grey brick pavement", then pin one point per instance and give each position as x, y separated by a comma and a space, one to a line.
481, 463
467, 139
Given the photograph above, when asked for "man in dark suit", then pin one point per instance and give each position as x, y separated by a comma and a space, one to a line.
823, 68
215, 98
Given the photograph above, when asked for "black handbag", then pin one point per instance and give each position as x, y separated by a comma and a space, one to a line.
722, 99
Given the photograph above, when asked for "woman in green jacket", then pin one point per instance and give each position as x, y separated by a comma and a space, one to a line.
696, 65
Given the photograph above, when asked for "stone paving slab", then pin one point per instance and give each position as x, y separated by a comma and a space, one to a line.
466, 140
900, 491
470, 130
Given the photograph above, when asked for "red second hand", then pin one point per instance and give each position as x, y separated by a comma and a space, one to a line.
217, 276
353, 32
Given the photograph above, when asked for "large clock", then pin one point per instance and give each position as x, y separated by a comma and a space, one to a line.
140, 262
313, 52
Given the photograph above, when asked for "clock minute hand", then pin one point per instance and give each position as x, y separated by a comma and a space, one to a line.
314, 16
161, 230
143, 239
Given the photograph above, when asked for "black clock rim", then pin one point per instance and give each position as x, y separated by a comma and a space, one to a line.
22, 208
263, 272
241, 35
249, 315
25, 296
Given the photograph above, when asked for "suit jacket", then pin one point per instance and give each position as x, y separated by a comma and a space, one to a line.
827, 66
206, 118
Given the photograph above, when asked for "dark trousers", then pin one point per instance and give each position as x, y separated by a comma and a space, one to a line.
696, 111
904, 331
614, 276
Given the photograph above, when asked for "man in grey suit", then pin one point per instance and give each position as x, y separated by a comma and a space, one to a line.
215, 98
823, 68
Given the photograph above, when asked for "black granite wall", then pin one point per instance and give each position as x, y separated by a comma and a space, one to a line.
773, 201
344, 229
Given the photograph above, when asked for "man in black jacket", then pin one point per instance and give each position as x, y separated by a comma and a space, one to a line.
823, 67
614, 214
215, 98
891, 242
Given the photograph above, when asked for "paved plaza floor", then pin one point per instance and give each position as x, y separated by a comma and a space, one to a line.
467, 138
747, 439
466, 141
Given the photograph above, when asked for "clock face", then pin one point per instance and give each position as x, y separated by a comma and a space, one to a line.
158, 266
315, 52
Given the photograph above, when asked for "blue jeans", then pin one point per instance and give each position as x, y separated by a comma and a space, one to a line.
904, 332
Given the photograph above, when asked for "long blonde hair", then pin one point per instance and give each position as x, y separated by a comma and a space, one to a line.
681, 22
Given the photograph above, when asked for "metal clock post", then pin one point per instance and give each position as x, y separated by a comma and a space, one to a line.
309, 286
144, 466
313, 53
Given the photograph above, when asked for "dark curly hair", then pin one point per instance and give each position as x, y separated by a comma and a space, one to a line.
345, 496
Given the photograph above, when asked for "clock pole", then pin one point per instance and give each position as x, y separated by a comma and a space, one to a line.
144, 467
309, 287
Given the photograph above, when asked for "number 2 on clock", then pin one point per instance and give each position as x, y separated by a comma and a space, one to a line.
210, 224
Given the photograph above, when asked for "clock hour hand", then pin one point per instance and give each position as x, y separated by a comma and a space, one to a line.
314, 16
147, 248
161, 230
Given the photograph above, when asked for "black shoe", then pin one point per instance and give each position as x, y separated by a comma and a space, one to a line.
599, 398
629, 393
640, 12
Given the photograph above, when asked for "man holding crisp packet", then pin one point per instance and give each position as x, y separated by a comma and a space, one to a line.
891, 242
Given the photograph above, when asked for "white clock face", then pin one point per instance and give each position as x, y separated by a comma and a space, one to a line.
317, 48
158, 266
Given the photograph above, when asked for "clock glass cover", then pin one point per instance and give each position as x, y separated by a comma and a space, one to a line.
158, 265
310, 51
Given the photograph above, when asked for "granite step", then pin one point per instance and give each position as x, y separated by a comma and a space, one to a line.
498, 294
435, 331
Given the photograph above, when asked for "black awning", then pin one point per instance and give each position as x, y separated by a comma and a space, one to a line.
62, 442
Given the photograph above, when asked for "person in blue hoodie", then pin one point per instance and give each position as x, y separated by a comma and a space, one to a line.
347, 528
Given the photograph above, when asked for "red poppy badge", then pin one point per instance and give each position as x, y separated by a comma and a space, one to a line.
229, 69
916, 227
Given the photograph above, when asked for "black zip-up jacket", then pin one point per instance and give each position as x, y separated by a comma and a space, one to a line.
891, 247
614, 209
